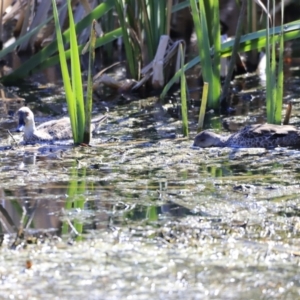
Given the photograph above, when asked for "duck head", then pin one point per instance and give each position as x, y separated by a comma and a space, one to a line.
207, 139
25, 119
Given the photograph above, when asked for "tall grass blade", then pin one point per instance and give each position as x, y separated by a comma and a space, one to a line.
216, 41
206, 19
203, 107
65, 74
76, 77
149, 34
107, 38
89, 94
234, 54
203, 43
183, 96
274, 86
268, 71
156, 20
130, 48
273, 67
248, 42
280, 74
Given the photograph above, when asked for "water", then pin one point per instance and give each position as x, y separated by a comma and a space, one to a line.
141, 214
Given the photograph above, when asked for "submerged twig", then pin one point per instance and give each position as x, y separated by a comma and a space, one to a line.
11, 136
288, 113
70, 223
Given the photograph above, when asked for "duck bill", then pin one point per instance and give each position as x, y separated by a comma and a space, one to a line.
20, 128
21, 124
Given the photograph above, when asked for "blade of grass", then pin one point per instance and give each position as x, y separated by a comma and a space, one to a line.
131, 52
203, 107
65, 74
270, 72
149, 35
234, 53
107, 38
89, 94
76, 77
183, 96
216, 40
280, 77
247, 42
273, 68
203, 43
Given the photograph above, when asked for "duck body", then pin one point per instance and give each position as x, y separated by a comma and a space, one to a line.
50, 131
252, 136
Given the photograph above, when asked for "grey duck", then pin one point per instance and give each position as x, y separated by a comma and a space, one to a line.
252, 136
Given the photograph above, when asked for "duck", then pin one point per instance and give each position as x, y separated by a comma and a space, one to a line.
252, 136
49, 131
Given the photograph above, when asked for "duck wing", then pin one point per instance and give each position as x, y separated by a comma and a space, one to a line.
58, 129
267, 136
269, 131
61, 129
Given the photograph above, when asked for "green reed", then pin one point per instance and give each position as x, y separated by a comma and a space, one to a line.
203, 107
248, 42
88, 105
132, 50
143, 23
274, 71
79, 111
183, 96
207, 26
156, 19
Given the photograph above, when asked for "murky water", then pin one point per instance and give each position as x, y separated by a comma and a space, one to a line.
142, 215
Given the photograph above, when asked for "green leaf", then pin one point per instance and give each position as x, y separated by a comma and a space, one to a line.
65, 74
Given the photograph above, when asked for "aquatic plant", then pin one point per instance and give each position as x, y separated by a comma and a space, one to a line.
274, 70
79, 111
143, 23
207, 26
203, 107
130, 39
47, 56
248, 42
183, 96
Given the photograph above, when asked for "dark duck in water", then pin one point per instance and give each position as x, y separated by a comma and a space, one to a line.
252, 136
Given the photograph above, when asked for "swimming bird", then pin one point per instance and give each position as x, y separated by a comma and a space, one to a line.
49, 131
252, 136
